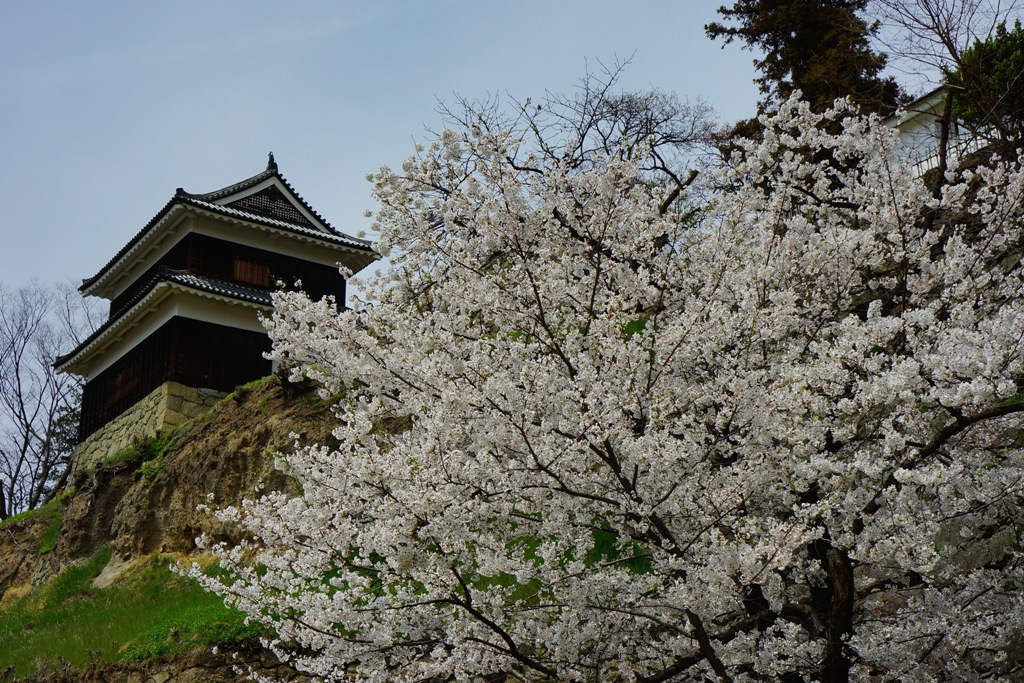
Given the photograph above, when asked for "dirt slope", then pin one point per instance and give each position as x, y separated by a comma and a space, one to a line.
226, 453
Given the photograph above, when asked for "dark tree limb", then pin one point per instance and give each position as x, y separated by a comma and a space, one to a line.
706, 648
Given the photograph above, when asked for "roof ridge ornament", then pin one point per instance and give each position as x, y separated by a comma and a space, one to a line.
271, 164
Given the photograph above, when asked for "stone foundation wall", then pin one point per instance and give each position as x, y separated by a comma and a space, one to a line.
168, 405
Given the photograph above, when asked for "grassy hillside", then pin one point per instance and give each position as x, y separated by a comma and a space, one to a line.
148, 612
86, 587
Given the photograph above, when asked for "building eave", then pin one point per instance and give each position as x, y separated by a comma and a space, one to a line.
334, 241
924, 105
165, 285
321, 232
182, 205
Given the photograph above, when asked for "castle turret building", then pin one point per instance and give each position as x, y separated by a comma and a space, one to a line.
186, 293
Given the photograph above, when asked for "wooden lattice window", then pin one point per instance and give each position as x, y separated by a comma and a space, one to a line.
251, 273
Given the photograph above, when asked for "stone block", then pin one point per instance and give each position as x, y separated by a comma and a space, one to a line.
174, 417
167, 406
187, 393
192, 409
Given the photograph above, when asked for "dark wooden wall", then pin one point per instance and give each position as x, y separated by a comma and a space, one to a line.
194, 353
231, 262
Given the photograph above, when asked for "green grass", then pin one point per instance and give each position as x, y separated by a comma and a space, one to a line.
49, 536
257, 382
152, 613
132, 455
49, 511
145, 455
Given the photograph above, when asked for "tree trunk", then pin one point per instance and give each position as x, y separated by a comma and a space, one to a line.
839, 570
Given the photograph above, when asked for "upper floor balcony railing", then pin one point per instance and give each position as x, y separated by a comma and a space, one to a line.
927, 158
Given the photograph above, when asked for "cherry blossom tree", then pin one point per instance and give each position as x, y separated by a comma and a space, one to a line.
608, 419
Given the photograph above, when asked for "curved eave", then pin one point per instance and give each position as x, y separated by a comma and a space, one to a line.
165, 219
115, 329
169, 215
928, 104
312, 236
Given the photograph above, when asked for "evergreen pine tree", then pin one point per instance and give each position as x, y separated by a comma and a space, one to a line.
821, 47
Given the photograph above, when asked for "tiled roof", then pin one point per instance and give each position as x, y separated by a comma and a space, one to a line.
205, 284
279, 220
335, 237
270, 172
199, 283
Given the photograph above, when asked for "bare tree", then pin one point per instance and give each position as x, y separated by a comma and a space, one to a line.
654, 128
934, 33
934, 36
38, 406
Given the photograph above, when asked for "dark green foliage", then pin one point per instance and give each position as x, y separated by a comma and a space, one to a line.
821, 47
607, 549
989, 85
157, 446
634, 327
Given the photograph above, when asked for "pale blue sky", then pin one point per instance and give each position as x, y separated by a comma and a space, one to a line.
109, 106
